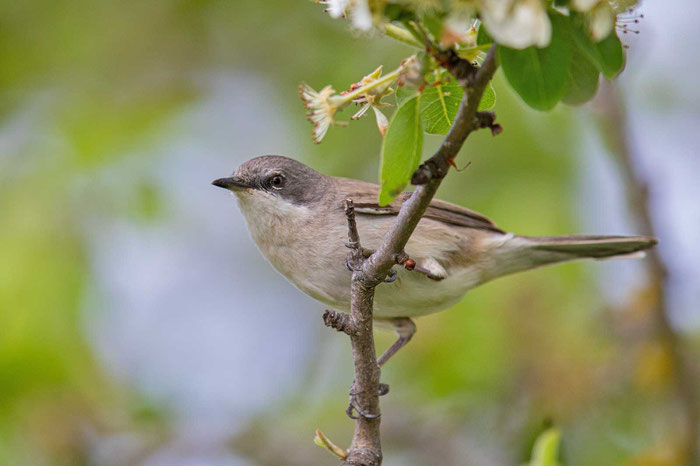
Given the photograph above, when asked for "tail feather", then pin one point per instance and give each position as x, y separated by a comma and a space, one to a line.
517, 253
591, 246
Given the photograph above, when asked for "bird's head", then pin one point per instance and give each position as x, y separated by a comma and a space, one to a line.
274, 183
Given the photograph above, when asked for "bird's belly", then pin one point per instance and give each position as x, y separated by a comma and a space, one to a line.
412, 294
324, 277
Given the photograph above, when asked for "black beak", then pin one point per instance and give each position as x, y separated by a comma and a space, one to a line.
232, 183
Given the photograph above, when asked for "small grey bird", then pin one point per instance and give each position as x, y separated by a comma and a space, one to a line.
296, 217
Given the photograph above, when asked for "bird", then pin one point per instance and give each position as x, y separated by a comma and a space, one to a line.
296, 217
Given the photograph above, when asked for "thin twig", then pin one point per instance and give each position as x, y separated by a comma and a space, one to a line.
366, 449
356, 254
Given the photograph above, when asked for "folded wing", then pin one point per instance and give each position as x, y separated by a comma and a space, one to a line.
365, 196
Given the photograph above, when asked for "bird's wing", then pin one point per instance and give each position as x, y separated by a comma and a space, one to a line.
365, 196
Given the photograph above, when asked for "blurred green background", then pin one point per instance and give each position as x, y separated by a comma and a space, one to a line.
139, 325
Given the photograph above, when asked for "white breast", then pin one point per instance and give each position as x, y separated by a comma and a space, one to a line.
308, 249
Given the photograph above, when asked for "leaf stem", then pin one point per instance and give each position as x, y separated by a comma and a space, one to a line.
350, 96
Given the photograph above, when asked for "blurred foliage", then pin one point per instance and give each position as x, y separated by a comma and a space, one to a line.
87, 84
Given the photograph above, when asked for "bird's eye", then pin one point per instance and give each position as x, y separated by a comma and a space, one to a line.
277, 181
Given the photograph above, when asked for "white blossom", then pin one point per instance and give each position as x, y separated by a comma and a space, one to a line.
602, 21
458, 29
601, 16
357, 10
336, 8
517, 23
321, 109
584, 5
360, 15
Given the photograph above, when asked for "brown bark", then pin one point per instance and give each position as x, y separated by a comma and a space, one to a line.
365, 449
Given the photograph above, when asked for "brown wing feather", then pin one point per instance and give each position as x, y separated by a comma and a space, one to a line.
365, 195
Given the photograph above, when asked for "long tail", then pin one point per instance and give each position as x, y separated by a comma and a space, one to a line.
517, 253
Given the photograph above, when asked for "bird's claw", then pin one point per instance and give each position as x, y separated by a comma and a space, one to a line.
355, 407
353, 268
350, 267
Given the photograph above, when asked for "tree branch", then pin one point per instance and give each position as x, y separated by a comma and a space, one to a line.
612, 120
365, 449
430, 174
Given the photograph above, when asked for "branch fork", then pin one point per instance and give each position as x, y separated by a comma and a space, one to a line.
463, 70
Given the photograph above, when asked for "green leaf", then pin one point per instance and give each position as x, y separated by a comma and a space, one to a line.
401, 150
612, 56
440, 103
483, 37
404, 93
433, 23
607, 55
546, 448
584, 77
488, 99
541, 76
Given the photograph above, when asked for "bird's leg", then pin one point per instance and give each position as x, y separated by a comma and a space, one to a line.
405, 329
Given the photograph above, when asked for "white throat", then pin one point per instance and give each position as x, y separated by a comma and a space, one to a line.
273, 222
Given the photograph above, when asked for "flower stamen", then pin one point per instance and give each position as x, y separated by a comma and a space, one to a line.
324, 104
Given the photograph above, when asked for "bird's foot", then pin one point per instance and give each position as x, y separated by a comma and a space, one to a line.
354, 406
354, 263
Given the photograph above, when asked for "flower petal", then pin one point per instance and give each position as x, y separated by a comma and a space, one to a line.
321, 109
602, 21
584, 5
525, 24
336, 8
360, 15
382, 120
